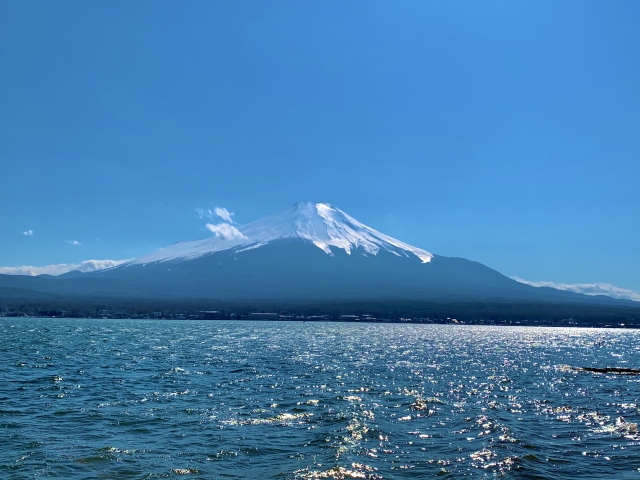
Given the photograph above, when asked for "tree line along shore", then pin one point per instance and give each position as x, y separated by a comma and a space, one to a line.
467, 313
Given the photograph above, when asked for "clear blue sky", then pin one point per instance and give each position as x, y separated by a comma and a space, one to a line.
503, 132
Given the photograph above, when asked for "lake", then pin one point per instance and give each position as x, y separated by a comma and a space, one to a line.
88, 398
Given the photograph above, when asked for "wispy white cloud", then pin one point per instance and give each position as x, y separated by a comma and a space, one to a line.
28, 233
226, 231
588, 289
59, 269
224, 214
221, 212
204, 213
74, 242
93, 265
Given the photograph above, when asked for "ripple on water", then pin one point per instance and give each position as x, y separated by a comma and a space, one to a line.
287, 400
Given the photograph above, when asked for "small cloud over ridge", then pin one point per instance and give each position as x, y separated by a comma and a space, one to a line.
28, 233
74, 242
225, 231
224, 214
59, 269
221, 212
588, 289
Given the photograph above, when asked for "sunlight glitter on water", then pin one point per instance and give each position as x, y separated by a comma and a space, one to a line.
142, 399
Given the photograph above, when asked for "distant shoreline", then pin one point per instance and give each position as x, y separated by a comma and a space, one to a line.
353, 311
404, 321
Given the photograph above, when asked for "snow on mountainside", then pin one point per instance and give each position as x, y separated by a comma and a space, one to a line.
319, 223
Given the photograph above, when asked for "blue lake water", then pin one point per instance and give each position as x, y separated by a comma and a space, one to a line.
173, 399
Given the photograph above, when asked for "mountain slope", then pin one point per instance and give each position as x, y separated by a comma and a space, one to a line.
309, 251
290, 269
321, 224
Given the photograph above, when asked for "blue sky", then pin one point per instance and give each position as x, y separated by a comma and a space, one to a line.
504, 132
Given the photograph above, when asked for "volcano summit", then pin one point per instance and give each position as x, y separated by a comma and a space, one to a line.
320, 224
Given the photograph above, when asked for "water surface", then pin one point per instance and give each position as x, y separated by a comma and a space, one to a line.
174, 399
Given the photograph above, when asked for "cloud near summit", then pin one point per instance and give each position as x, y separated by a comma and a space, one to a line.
221, 212
224, 214
225, 230
588, 289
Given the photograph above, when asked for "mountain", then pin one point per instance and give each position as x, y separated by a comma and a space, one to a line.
319, 224
306, 252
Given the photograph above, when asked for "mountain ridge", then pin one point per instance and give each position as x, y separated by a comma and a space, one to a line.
307, 251
322, 224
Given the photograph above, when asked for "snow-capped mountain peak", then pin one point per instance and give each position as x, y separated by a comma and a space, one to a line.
322, 224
